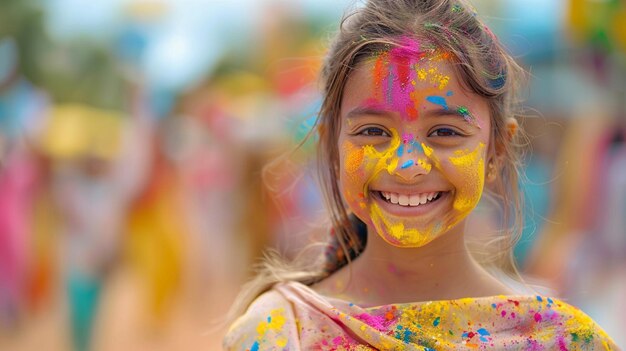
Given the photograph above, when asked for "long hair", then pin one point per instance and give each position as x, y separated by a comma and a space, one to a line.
483, 67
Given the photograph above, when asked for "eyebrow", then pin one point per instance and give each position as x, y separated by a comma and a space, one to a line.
452, 110
367, 110
456, 111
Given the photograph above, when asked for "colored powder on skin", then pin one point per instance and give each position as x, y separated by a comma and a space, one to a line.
436, 321
417, 146
428, 151
464, 111
255, 346
394, 70
409, 48
390, 92
407, 164
438, 100
354, 157
401, 150
398, 97
377, 161
407, 138
449, 93
396, 233
425, 165
380, 68
474, 167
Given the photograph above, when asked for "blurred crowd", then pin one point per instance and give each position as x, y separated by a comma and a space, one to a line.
135, 201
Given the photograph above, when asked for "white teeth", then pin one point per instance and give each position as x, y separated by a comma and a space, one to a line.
394, 198
409, 200
423, 199
403, 200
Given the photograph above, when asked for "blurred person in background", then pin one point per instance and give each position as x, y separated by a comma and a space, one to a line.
23, 110
100, 164
581, 249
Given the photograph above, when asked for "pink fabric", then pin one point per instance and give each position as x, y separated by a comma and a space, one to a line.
292, 316
17, 181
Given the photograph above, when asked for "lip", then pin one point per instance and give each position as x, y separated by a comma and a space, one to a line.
409, 211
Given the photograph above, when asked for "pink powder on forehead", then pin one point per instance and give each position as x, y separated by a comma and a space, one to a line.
394, 77
408, 48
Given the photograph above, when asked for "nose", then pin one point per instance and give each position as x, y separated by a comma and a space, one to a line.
412, 162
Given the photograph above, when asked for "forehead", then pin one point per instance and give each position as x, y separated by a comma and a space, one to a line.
402, 75
410, 84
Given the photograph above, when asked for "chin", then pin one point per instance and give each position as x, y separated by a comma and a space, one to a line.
403, 236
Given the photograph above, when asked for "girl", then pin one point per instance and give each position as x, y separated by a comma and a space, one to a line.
417, 120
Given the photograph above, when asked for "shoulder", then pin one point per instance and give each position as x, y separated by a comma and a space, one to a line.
574, 327
268, 324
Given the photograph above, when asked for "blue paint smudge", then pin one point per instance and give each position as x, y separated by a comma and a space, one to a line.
449, 93
401, 150
418, 146
438, 100
407, 164
483, 331
436, 321
255, 346
269, 319
539, 298
407, 335
483, 339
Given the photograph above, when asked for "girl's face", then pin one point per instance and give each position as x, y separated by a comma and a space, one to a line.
412, 146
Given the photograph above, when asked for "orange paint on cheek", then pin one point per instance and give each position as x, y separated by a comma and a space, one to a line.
354, 158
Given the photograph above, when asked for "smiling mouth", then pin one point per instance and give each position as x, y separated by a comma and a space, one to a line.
412, 200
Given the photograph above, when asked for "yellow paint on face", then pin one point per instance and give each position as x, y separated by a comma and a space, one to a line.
432, 75
363, 163
472, 165
395, 232
377, 161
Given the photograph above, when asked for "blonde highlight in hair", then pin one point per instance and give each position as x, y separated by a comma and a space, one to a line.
483, 67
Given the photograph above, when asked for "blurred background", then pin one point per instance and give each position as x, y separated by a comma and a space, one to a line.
133, 134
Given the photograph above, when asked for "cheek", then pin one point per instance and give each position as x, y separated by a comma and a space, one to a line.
352, 175
468, 168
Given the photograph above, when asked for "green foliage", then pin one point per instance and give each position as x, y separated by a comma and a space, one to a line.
80, 71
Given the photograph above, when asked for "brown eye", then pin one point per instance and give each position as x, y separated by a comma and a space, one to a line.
444, 132
374, 131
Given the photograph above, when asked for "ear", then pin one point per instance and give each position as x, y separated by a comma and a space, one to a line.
511, 128
493, 165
